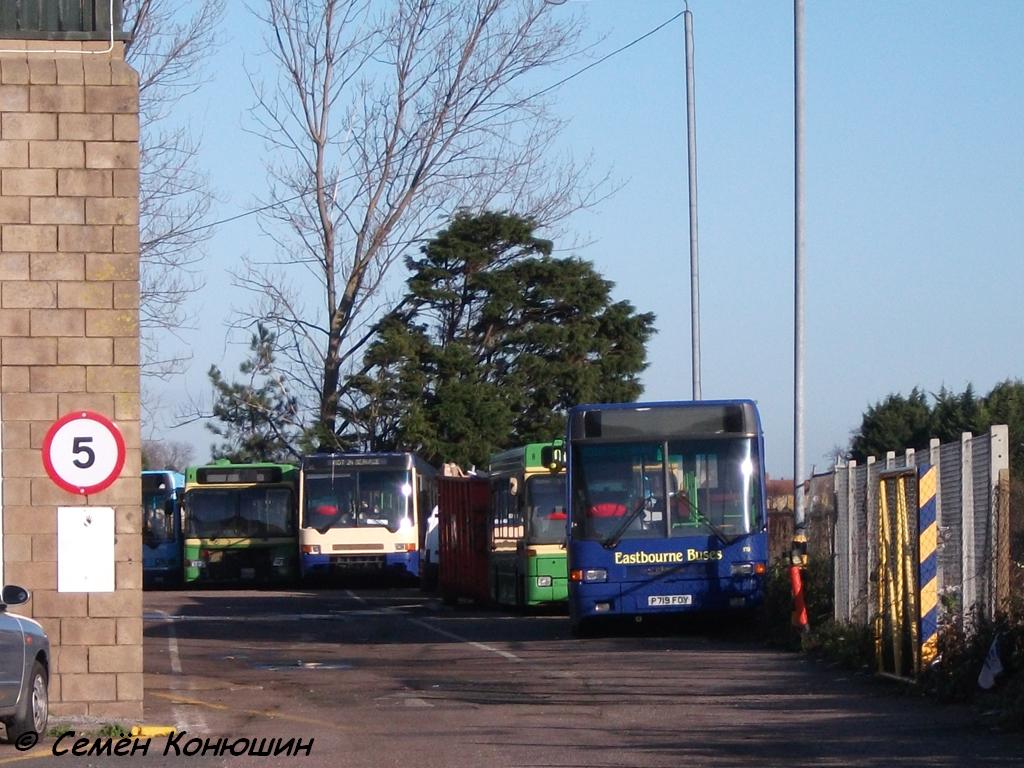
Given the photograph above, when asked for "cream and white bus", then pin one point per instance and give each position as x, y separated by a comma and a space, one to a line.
363, 512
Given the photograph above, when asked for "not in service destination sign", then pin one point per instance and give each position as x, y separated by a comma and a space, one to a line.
83, 452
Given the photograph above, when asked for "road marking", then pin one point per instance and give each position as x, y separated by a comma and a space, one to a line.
459, 638
354, 596
172, 650
176, 672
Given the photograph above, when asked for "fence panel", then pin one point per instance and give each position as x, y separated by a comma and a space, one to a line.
950, 533
967, 509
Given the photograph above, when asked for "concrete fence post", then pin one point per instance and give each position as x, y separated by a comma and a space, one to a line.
968, 570
999, 496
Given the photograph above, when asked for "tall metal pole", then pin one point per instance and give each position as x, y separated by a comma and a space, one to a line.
798, 557
691, 152
798, 299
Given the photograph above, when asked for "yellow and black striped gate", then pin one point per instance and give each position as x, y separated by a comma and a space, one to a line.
906, 616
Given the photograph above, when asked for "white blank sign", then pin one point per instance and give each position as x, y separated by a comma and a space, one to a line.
85, 549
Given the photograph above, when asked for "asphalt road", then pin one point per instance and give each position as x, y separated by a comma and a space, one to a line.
382, 678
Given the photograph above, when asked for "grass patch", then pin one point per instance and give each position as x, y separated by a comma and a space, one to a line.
105, 731
113, 731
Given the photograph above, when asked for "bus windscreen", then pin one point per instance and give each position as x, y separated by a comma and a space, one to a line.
240, 513
157, 518
545, 498
670, 489
357, 499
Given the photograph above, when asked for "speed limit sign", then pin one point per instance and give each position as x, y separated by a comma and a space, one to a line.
83, 452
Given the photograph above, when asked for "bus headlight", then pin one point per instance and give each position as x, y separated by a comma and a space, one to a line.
588, 575
311, 549
196, 563
543, 581
279, 562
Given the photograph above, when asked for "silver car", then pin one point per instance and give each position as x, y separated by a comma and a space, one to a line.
24, 668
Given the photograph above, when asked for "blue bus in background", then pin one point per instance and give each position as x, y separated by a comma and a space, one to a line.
666, 509
162, 492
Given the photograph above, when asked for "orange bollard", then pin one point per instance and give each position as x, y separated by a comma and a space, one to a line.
799, 617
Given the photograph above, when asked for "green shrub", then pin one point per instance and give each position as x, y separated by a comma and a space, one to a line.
778, 601
962, 648
850, 645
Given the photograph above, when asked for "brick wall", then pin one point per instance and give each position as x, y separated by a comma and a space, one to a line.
69, 293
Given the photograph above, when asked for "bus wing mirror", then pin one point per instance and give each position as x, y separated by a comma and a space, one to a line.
513, 486
553, 458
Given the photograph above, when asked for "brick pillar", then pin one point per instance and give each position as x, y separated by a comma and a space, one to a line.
69, 339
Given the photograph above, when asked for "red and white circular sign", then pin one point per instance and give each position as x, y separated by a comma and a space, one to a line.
83, 452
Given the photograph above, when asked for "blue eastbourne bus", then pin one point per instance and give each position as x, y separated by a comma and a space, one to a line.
162, 491
666, 509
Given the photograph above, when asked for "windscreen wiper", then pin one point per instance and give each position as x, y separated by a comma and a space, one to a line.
701, 517
613, 540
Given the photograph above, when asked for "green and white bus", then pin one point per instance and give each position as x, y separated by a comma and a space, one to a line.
240, 524
528, 525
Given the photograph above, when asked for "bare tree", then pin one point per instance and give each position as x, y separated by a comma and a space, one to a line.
167, 48
386, 119
169, 454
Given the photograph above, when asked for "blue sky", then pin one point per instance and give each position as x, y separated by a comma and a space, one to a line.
914, 200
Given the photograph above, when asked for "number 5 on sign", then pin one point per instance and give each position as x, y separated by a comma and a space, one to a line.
83, 452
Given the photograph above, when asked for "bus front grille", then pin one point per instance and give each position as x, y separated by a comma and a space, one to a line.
358, 561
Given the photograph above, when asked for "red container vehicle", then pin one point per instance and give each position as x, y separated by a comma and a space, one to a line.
464, 538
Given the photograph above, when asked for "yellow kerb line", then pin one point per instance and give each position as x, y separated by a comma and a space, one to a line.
176, 699
149, 731
35, 753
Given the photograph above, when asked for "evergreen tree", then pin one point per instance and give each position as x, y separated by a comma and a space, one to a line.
954, 414
1005, 405
499, 339
908, 422
257, 418
893, 424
